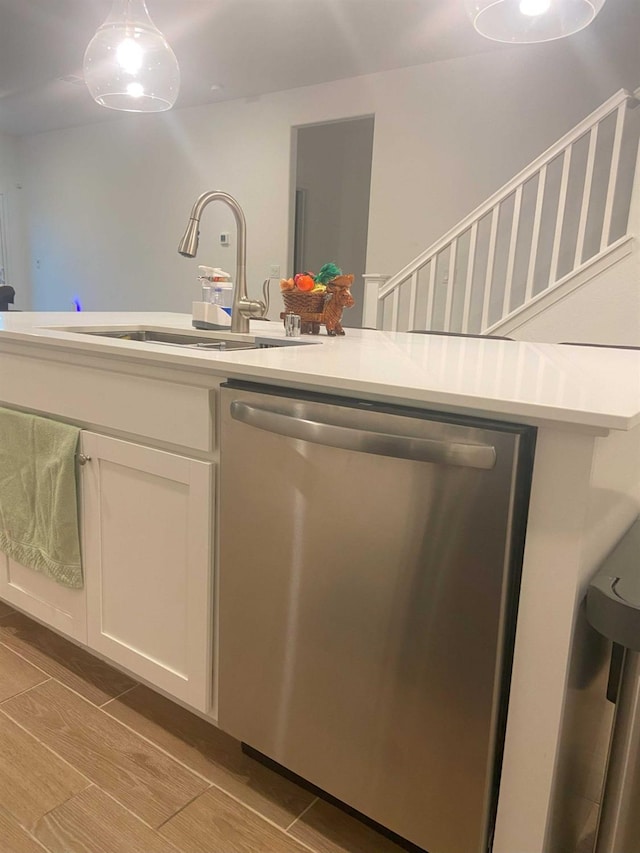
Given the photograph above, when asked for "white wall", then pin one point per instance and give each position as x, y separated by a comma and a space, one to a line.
108, 203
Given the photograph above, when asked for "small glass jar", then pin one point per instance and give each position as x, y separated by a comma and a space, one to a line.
292, 325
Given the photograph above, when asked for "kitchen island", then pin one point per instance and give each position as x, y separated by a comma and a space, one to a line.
153, 408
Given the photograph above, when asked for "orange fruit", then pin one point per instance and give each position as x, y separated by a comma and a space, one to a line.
305, 282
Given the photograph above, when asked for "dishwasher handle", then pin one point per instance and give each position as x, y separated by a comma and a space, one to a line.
365, 441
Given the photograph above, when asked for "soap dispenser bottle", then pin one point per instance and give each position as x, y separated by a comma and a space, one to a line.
210, 312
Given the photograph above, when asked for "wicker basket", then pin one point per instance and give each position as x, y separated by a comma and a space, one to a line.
303, 303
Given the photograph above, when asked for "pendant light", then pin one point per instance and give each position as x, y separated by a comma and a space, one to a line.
128, 64
521, 21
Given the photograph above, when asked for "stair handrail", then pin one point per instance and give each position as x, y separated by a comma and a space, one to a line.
529, 171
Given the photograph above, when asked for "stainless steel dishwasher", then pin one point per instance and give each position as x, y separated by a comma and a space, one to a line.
369, 576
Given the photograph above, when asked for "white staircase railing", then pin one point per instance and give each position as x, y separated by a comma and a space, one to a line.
552, 220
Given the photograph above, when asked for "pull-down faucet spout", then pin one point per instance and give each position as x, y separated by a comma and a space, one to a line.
242, 307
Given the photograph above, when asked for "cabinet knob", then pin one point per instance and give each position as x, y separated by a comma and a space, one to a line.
83, 459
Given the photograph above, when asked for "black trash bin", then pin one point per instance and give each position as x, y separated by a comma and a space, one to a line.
613, 608
7, 295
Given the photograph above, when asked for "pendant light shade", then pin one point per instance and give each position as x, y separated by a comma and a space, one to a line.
128, 64
522, 21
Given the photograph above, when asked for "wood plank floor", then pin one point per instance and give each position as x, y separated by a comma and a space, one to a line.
90, 762
62, 660
14, 839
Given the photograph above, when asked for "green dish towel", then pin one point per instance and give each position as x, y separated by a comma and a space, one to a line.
38, 496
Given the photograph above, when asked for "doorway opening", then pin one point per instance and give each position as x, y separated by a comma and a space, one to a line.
331, 202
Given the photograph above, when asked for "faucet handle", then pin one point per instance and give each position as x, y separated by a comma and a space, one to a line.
255, 309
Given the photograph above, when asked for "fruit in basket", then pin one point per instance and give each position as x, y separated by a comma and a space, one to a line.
327, 273
308, 282
305, 282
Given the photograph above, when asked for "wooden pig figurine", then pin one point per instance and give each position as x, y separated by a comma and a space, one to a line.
340, 298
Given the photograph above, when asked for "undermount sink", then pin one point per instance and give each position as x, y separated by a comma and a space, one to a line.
177, 339
185, 339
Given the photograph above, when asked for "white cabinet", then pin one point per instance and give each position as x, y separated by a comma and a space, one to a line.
43, 598
35, 593
147, 528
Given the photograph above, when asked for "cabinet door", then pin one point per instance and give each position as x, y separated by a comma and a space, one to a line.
43, 598
60, 607
148, 518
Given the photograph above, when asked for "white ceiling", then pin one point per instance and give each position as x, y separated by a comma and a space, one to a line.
247, 47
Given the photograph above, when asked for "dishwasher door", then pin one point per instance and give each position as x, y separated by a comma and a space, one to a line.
369, 573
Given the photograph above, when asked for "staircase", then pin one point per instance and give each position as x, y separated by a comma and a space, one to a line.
559, 223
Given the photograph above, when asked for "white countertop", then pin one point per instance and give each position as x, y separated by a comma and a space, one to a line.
532, 382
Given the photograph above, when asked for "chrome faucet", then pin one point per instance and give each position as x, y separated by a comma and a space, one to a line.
242, 308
